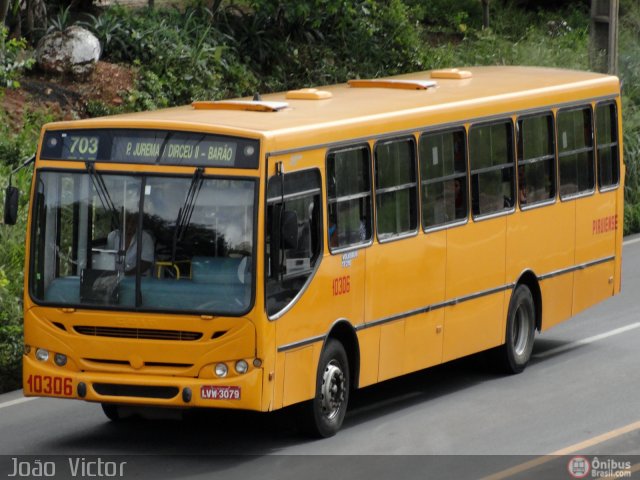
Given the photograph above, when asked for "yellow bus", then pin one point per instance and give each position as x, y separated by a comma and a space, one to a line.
256, 254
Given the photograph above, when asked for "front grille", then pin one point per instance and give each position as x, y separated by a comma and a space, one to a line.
141, 391
138, 333
107, 361
169, 365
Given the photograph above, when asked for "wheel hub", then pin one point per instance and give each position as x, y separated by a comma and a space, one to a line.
521, 330
333, 390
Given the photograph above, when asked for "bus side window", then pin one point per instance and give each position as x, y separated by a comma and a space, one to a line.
443, 173
290, 261
396, 188
349, 197
575, 151
492, 167
536, 159
607, 141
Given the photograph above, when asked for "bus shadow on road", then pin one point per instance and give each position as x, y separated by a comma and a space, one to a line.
231, 432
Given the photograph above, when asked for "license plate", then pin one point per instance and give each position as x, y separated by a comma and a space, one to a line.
210, 392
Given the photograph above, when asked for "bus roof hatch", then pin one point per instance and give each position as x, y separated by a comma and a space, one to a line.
451, 74
247, 105
393, 83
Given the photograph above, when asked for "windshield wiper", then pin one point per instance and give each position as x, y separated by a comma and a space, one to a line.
103, 194
186, 211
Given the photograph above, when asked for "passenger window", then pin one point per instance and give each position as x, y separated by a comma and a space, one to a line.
396, 188
492, 168
294, 235
607, 141
349, 197
575, 151
443, 172
536, 159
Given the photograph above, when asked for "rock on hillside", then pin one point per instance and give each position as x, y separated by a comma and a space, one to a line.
74, 51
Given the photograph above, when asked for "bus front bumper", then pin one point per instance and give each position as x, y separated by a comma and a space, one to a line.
44, 379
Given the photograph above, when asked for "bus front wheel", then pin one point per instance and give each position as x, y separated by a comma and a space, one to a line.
325, 413
521, 328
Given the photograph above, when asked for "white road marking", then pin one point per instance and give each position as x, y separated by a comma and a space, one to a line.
16, 401
632, 241
588, 340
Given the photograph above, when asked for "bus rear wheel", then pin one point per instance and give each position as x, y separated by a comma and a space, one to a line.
515, 354
325, 413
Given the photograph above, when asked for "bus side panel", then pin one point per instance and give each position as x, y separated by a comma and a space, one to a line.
404, 276
299, 367
557, 295
392, 347
558, 285
312, 316
369, 341
423, 340
473, 326
596, 224
542, 240
475, 266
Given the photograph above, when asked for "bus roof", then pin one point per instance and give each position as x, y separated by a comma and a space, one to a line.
489, 91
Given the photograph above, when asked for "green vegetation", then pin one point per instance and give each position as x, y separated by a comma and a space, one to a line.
198, 52
13, 59
14, 146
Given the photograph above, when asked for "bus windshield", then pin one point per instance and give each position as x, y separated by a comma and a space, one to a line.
144, 242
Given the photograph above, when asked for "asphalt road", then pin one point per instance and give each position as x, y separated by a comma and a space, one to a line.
581, 393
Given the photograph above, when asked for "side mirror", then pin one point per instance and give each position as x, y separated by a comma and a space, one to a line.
11, 205
290, 229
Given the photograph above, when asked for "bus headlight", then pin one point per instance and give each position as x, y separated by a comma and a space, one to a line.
60, 359
242, 366
42, 354
221, 370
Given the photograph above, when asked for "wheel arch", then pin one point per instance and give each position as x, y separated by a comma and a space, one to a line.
344, 332
530, 280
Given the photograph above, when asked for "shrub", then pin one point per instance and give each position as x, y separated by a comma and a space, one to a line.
180, 55
13, 59
14, 146
12, 239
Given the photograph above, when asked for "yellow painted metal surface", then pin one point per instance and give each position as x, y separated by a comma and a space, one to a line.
299, 375
420, 262
475, 264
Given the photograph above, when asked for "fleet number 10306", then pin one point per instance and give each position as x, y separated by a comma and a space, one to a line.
48, 385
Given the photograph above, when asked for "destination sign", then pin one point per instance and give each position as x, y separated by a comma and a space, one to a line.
151, 147
174, 151
80, 147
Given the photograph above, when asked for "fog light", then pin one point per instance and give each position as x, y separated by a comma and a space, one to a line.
257, 362
60, 359
42, 354
27, 349
221, 370
241, 366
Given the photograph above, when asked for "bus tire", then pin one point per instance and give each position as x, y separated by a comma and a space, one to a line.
325, 413
520, 333
112, 411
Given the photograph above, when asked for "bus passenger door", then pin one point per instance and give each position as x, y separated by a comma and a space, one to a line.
293, 242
